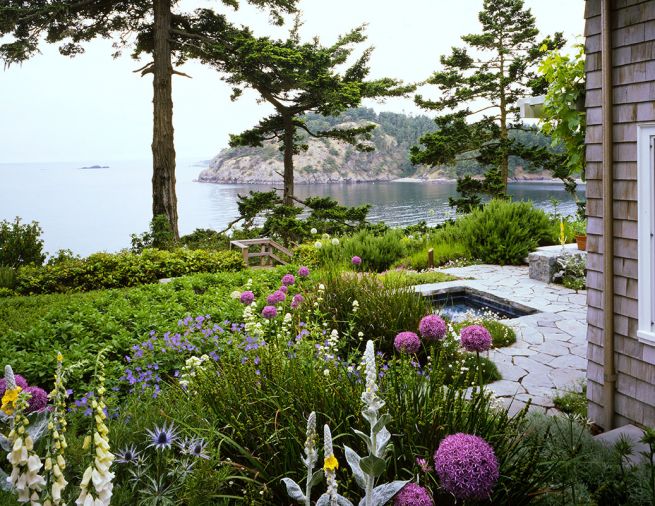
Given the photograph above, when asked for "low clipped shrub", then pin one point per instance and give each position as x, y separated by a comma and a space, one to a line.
443, 252
124, 269
377, 252
504, 232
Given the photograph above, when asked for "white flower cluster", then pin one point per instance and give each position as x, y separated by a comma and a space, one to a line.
252, 324
191, 368
55, 464
97, 481
284, 334
369, 396
25, 463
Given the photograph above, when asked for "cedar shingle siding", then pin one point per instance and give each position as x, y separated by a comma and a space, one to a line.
633, 75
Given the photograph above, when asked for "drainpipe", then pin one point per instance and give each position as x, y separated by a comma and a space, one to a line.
609, 373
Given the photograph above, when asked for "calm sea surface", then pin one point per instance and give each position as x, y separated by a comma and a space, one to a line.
97, 209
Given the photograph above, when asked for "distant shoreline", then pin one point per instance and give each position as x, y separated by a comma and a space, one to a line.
511, 181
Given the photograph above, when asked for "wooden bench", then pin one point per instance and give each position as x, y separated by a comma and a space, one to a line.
269, 251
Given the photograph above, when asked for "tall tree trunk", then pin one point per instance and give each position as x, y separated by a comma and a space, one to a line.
289, 131
504, 161
164, 199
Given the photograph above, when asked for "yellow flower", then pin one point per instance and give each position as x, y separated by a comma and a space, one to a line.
331, 463
60, 357
9, 400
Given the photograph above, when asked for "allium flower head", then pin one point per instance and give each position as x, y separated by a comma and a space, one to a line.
413, 495
269, 312
288, 279
356, 260
20, 382
407, 342
314, 231
467, 466
475, 338
432, 327
162, 438
276, 297
128, 455
303, 272
297, 300
247, 297
38, 400
318, 244
335, 242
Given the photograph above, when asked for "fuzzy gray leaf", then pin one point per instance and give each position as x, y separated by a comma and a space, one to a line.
5, 444
365, 438
4, 484
38, 425
382, 440
353, 461
324, 500
317, 477
342, 501
382, 494
294, 490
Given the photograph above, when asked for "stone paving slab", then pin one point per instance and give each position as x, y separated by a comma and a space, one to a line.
550, 353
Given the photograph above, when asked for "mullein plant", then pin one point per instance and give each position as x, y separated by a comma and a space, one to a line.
97, 481
366, 470
55, 463
25, 479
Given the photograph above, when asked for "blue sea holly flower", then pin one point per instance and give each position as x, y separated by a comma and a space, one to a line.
196, 448
128, 455
162, 438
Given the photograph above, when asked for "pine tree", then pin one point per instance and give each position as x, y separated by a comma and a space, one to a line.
479, 88
159, 32
298, 78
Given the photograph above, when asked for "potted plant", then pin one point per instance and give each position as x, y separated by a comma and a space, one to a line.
580, 232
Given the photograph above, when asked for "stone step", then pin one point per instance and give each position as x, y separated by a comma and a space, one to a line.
632, 434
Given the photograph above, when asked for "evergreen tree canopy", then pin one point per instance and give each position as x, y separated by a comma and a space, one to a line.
298, 78
158, 29
479, 86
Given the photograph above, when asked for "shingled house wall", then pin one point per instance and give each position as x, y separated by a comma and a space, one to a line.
633, 75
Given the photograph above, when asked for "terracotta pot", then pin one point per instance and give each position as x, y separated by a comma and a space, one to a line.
582, 242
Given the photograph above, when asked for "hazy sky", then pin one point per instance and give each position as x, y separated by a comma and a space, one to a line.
95, 109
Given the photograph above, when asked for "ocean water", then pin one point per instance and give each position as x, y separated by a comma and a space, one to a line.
89, 210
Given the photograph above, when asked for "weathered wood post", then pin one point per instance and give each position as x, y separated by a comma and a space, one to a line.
430, 258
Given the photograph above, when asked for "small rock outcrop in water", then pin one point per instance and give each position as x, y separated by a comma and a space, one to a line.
95, 167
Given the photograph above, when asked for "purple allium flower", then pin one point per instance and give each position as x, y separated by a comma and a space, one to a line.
432, 327
297, 300
356, 260
269, 312
303, 272
288, 279
407, 342
20, 381
276, 297
413, 495
162, 438
247, 297
475, 338
284, 289
38, 401
467, 466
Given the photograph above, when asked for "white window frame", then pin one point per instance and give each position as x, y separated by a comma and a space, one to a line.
646, 231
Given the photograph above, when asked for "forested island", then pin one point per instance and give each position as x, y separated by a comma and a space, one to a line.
330, 161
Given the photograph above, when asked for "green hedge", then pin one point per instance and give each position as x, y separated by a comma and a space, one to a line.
124, 269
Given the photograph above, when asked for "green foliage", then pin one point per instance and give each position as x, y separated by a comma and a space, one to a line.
7, 277
80, 325
377, 251
207, 239
20, 244
282, 221
562, 117
342, 289
572, 271
117, 270
504, 232
490, 75
411, 278
159, 236
573, 402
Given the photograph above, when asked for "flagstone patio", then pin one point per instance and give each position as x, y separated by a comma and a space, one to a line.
550, 353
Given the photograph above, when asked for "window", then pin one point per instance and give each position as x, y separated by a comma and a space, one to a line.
646, 226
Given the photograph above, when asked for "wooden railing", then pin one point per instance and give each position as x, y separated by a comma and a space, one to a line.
269, 251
